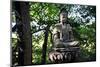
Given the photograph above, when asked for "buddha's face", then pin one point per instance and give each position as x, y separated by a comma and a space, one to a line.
63, 17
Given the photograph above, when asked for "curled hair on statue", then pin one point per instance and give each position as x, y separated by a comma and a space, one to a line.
63, 10
63, 16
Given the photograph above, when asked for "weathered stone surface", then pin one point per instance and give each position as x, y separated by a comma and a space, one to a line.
65, 47
63, 56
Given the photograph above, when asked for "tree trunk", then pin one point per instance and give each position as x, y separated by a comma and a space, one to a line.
44, 47
24, 33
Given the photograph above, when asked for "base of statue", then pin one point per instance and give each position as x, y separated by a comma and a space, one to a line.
67, 49
64, 55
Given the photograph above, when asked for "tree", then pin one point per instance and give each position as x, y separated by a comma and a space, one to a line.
44, 47
24, 32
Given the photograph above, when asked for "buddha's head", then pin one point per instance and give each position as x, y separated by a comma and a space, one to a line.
63, 15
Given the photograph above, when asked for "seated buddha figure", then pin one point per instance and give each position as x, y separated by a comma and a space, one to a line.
62, 33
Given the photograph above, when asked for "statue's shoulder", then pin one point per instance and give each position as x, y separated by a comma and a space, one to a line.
57, 28
58, 24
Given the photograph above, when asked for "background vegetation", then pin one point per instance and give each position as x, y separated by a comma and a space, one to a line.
81, 17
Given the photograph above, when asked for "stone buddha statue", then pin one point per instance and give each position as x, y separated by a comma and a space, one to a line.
65, 47
62, 33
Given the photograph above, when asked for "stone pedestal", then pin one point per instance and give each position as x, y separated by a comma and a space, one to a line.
61, 55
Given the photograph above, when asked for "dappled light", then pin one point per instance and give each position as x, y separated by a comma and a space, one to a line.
33, 33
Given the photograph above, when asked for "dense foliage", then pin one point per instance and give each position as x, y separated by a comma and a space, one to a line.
81, 17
